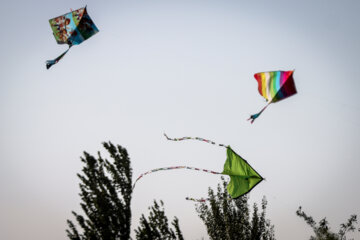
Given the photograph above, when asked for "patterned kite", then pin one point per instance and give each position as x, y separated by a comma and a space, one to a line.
274, 86
72, 29
243, 178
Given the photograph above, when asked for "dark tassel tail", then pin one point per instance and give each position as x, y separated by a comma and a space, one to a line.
253, 117
256, 115
49, 63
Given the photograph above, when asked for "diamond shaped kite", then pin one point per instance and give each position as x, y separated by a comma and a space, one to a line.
274, 86
72, 29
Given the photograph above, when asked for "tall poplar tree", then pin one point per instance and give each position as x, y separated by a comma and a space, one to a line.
105, 191
228, 219
322, 229
156, 227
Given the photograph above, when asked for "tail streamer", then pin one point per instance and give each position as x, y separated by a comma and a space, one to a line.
49, 63
172, 168
256, 115
197, 200
195, 138
201, 200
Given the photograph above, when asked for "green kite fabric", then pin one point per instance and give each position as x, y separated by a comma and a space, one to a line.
243, 177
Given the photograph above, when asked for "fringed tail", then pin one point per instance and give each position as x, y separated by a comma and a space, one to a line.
197, 200
202, 200
49, 63
196, 138
173, 168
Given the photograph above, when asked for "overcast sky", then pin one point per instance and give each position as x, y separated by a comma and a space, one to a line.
185, 68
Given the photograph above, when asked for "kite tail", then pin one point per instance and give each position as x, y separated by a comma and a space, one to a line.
49, 63
202, 199
256, 115
195, 138
197, 200
172, 168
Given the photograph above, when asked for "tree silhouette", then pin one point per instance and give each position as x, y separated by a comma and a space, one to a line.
105, 191
322, 230
228, 219
156, 227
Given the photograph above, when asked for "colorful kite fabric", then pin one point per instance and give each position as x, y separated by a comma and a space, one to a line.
243, 178
72, 29
274, 86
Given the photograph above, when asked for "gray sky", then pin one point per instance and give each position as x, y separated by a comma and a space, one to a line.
185, 68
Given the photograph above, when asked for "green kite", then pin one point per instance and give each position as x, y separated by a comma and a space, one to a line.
243, 178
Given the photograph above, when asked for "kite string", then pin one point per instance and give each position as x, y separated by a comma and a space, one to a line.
195, 138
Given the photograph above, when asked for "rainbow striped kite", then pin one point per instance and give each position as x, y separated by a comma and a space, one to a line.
274, 86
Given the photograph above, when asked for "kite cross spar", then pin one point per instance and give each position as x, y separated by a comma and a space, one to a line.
243, 178
274, 86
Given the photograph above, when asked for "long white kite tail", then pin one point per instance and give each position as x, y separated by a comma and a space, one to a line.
173, 168
201, 200
202, 140
178, 167
195, 138
184, 167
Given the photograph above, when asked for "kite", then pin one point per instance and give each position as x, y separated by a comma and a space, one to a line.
72, 29
274, 86
243, 178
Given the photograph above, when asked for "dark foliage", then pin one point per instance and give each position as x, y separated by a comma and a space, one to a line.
322, 230
156, 227
228, 219
106, 189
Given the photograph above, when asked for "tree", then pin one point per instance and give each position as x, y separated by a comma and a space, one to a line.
227, 219
156, 227
322, 230
105, 191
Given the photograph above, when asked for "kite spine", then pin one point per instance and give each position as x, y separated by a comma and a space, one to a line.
196, 138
